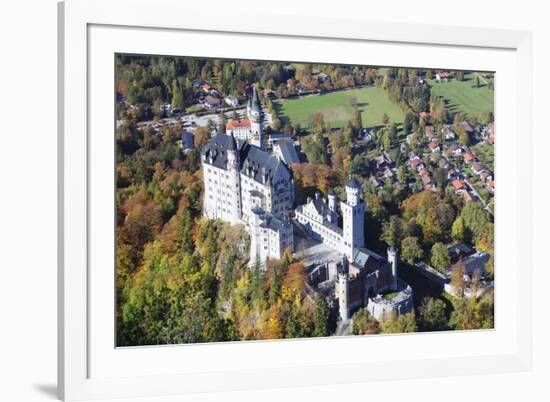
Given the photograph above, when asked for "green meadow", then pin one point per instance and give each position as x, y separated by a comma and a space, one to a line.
336, 107
463, 97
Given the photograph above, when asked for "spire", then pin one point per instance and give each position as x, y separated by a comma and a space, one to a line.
232, 146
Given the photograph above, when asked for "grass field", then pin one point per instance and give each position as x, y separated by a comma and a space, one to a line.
461, 96
372, 101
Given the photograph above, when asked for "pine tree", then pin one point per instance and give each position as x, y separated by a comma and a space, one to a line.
320, 317
185, 232
177, 96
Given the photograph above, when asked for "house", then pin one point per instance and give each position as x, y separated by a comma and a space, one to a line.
429, 131
491, 185
459, 251
484, 175
232, 101
442, 76
455, 149
426, 179
459, 186
434, 146
477, 168
469, 157
417, 164
411, 138
211, 103
453, 174
448, 133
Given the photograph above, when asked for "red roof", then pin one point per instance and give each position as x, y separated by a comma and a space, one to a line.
468, 157
433, 145
458, 185
232, 124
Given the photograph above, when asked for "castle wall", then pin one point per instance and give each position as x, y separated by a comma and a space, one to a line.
221, 194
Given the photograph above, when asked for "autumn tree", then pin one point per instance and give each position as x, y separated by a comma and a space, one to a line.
202, 136
394, 231
457, 278
273, 328
364, 323
411, 250
440, 257
458, 229
395, 323
432, 315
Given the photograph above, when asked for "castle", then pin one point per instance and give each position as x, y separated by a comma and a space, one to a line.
364, 281
320, 219
243, 184
362, 275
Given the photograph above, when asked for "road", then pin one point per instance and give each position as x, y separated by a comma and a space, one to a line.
474, 191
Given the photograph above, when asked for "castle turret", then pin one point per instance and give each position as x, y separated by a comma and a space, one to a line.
353, 211
232, 154
332, 201
392, 259
353, 189
234, 198
343, 291
254, 112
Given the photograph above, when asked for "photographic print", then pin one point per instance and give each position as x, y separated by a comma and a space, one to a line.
261, 200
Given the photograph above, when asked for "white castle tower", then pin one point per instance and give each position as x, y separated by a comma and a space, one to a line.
392, 259
353, 211
234, 181
343, 290
254, 112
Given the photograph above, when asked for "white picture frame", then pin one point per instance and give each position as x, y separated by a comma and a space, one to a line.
78, 377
